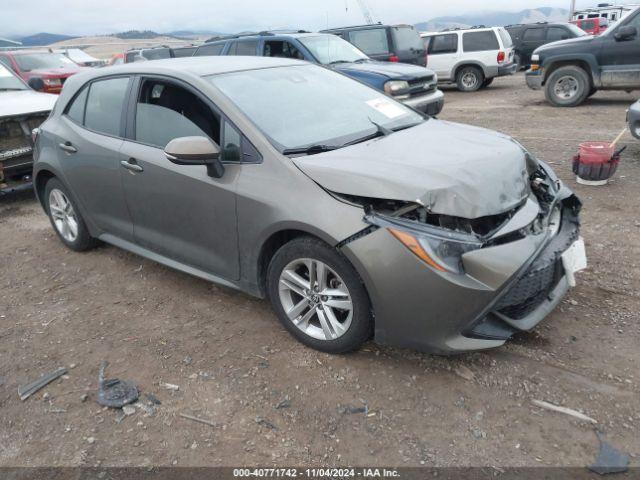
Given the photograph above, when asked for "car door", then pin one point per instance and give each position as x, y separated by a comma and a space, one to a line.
620, 58
443, 54
179, 211
532, 38
89, 137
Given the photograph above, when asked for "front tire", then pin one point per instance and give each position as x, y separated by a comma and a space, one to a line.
319, 297
469, 79
65, 217
567, 87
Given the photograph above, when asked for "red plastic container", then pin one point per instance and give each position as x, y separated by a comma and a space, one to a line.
596, 163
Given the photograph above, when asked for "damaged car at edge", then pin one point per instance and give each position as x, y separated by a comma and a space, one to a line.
353, 214
21, 110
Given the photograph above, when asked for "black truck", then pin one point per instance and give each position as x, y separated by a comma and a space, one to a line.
570, 71
529, 36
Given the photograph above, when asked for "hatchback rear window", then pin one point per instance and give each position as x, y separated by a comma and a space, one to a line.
480, 41
372, 41
407, 38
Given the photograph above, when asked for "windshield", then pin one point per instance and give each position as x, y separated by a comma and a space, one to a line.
8, 81
576, 30
407, 38
35, 61
303, 106
328, 49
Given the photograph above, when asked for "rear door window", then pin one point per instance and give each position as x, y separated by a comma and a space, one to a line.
480, 41
372, 41
533, 35
556, 33
247, 47
104, 105
441, 44
209, 50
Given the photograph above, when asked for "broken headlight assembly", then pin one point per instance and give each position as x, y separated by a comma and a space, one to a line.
440, 250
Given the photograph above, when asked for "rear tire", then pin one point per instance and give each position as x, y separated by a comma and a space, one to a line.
469, 79
567, 86
65, 217
327, 311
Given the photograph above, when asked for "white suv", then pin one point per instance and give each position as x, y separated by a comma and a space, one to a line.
470, 58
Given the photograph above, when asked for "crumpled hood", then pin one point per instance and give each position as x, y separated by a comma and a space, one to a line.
24, 102
451, 169
391, 70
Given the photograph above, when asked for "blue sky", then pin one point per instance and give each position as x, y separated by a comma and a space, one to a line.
81, 17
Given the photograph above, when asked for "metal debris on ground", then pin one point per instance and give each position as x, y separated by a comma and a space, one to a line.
464, 372
128, 410
565, 410
152, 399
114, 392
351, 410
609, 459
25, 391
284, 403
199, 420
266, 423
169, 386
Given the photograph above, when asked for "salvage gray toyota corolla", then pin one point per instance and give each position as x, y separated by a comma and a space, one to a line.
352, 213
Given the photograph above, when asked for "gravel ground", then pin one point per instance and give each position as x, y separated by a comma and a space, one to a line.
270, 400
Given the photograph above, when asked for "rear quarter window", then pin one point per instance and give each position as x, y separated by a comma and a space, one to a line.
480, 41
372, 41
441, 44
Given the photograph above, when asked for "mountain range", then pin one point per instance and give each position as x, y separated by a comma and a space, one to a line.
495, 19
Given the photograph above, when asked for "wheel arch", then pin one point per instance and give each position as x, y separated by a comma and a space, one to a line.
585, 62
468, 63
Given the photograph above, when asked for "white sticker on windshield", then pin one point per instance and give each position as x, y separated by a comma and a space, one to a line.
386, 107
4, 72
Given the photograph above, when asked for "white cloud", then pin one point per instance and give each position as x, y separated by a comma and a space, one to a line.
81, 17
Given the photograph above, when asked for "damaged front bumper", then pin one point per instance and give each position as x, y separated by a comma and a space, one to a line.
509, 284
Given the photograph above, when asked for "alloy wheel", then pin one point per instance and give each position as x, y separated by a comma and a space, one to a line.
566, 87
315, 299
469, 80
63, 215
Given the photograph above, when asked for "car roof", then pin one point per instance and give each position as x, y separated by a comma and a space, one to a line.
274, 36
26, 51
365, 27
198, 66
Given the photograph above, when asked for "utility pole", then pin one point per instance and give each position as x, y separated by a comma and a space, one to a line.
572, 10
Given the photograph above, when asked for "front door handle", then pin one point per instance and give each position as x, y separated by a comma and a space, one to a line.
67, 147
132, 165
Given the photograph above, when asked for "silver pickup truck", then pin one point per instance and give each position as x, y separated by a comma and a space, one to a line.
21, 110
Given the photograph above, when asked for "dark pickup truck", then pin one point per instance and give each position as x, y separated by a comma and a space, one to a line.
570, 71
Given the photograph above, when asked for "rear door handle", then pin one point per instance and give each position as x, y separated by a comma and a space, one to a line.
67, 147
132, 165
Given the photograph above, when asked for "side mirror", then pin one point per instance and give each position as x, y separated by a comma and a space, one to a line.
196, 151
36, 83
627, 32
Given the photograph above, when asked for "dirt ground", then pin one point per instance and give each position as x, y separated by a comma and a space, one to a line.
270, 400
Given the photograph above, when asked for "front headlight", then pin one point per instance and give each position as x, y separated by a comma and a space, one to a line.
535, 58
396, 87
441, 252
